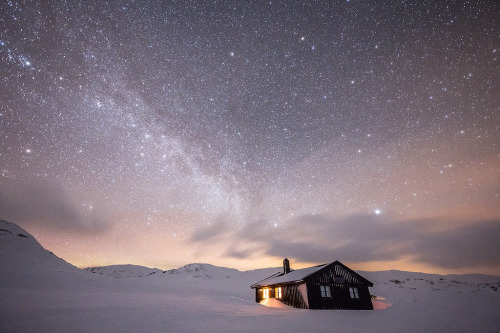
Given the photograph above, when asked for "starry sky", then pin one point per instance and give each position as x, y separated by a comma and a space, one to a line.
238, 133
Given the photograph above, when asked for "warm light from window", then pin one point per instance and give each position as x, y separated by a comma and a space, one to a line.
265, 294
277, 292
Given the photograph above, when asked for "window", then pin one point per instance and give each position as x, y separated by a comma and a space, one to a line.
354, 292
277, 292
325, 291
265, 293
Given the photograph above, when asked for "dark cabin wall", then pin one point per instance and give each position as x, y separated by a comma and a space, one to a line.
340, 298
292, 296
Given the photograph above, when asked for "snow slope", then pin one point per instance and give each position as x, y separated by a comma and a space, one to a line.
42, 293
24, 262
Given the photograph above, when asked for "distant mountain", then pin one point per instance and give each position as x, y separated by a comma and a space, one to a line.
189, 271
433, 283
204, 271
23, 261
124, 271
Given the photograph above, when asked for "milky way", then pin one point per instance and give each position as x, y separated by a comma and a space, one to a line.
241, 132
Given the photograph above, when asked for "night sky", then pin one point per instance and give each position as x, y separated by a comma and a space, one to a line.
238, 133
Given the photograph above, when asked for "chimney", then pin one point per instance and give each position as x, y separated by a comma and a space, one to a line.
286, 266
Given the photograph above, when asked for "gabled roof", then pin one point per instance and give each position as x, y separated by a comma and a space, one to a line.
294, 276
298, 276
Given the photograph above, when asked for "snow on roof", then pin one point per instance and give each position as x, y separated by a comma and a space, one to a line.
296, 275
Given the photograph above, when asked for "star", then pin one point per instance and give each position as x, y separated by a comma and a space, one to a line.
215, 123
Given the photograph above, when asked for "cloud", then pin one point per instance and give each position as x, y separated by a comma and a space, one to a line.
364, 238
219, 227
36, 203
472, 245
240, 254
353, 238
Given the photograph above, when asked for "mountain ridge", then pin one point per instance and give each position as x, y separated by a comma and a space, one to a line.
19, 245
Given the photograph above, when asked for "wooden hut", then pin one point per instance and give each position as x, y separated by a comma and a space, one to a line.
327, 286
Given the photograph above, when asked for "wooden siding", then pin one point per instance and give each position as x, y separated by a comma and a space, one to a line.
340, 298
327, 276
292, 296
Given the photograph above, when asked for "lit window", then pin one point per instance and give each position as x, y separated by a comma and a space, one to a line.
325, 291
265, 294
354, 292
277, 292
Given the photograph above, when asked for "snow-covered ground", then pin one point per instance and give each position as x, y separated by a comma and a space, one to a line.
42, 293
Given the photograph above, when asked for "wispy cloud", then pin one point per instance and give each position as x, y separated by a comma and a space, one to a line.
49, 204
364, 238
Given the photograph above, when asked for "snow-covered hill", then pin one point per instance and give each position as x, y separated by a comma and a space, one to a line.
21, 247
434, 283
25, 263
124, 271
204, 271
189, 271
40, 292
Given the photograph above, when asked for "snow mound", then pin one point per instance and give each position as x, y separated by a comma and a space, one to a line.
381, 304
275, 303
